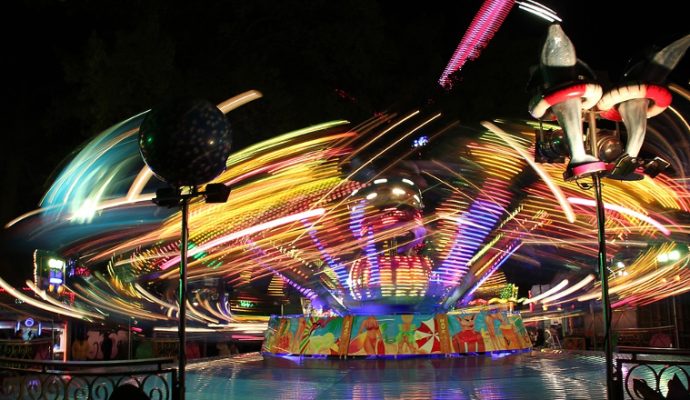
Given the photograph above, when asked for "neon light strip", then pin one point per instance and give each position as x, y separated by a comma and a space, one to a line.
480, 219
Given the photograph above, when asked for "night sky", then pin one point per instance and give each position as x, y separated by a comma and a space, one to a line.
73, 68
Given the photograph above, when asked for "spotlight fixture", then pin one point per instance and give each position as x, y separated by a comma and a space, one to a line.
167, 197
217, 193
551, 146
653, 167
673, 255
609, 146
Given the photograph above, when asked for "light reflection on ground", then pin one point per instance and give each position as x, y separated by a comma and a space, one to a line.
522, 376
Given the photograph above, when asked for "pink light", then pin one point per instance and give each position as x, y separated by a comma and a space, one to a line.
486, 22
624, 302
622, 210
244, 232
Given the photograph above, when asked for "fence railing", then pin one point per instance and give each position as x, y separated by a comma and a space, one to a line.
662, 373
25, 349
29, 379
659, 336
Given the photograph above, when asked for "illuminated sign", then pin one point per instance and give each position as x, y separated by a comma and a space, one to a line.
56, 270
246, 304
49, 270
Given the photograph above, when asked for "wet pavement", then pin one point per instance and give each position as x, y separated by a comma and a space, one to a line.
529, 375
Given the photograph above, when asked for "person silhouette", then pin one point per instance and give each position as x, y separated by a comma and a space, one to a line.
107, 346
128, 392
676, 389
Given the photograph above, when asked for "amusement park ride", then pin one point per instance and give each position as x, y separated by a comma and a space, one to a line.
394, 260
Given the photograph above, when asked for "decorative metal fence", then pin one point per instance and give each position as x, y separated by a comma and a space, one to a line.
663, 373
53, 380
23, 349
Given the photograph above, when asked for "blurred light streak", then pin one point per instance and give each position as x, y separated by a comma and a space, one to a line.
246, 232
197, 313
191, 329
27, 215
252, 151
205, 304
42, 294
38, 304
377, 137
548, 293
150, 297
558, 194
483, 27
239, 100
482, 184
622, 210
139, 183
617, 288
538, 10
101, 300
589, 278
495, 263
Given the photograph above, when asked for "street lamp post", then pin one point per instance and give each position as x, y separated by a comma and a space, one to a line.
186, 143
181, 329
214, 193
564, 90
601, 260
603, 273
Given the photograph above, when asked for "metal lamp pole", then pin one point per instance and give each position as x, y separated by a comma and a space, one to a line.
166, 136
182, 355
214, 193
605, 300
603, 270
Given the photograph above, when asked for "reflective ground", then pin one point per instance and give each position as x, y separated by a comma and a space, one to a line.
531, 376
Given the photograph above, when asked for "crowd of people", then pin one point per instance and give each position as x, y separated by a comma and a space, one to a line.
546, 337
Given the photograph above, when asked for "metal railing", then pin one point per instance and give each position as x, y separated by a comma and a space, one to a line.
29, 379
664, 375
659, 336
24, 349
